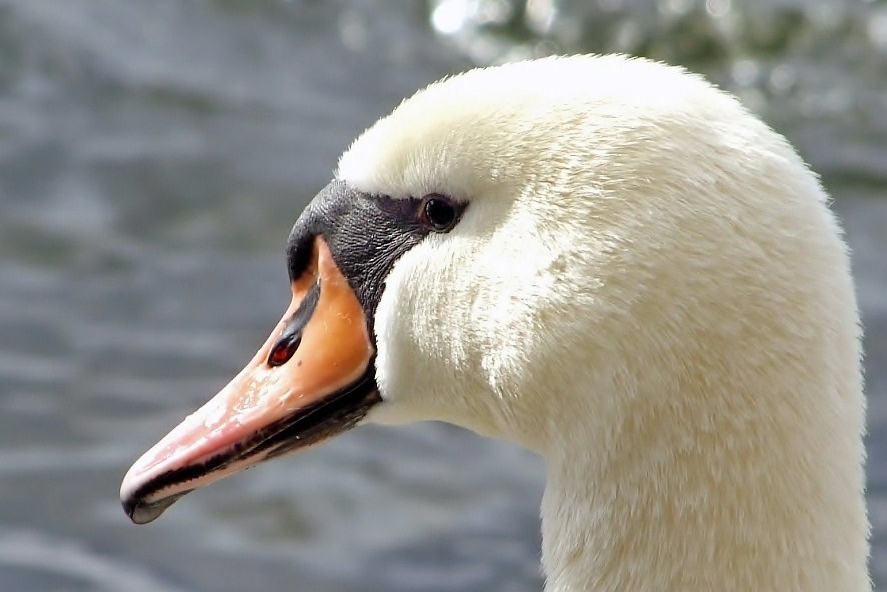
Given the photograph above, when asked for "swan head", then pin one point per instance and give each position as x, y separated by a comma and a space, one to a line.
605, 260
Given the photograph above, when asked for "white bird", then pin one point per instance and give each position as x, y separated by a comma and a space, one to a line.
607, 261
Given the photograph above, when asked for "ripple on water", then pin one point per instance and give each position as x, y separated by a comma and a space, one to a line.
33, 560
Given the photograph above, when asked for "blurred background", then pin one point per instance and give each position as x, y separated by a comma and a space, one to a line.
153, 156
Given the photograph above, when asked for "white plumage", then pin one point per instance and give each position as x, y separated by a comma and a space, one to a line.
649, 290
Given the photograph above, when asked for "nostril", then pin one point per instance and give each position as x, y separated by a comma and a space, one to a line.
284, 349
291, 336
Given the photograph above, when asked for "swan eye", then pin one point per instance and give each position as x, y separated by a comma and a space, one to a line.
439, 213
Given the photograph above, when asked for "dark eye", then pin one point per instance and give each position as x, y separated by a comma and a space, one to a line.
439, 213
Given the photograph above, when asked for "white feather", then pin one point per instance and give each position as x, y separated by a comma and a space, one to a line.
648, 289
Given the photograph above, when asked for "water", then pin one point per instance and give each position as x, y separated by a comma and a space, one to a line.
153, 156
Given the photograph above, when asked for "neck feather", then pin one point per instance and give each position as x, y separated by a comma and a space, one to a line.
767, 498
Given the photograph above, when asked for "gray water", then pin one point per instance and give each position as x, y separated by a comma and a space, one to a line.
153, 155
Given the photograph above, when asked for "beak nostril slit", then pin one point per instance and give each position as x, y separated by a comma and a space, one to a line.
284, 349
291, 336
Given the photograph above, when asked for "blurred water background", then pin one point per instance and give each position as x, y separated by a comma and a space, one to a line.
153, 155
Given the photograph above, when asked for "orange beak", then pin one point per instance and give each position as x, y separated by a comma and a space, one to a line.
310, 380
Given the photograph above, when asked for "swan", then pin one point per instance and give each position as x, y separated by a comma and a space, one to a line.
605, 260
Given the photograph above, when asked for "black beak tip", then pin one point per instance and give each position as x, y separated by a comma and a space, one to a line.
143, 513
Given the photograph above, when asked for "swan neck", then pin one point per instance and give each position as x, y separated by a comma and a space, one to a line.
662, 509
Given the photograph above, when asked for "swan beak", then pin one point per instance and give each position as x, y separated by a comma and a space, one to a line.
311, 379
